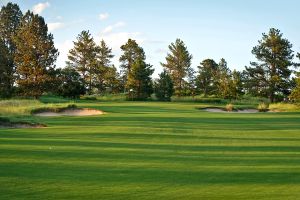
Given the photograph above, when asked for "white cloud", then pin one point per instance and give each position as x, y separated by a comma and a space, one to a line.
40, 7
63, 49
103, 16
55, 25
116, 40
110, 28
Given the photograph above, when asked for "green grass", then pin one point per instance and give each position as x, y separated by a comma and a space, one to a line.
153, 151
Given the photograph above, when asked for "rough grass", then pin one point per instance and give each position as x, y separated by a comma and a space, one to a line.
153, 151
16, 107
285, 107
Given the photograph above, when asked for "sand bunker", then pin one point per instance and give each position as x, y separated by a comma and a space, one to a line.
219, 110
71, 112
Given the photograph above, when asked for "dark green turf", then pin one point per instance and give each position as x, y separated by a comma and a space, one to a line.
153, 151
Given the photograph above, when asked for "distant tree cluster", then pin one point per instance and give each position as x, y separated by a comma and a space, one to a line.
28, 57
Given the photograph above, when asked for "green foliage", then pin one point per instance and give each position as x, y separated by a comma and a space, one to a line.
164, 87
132, 52
178, 65
35, 56
71, 83
10, 17
83, 58
270, 75
206, 80
139, 81
295, 95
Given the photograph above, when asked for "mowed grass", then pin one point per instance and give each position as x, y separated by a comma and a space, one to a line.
153, 151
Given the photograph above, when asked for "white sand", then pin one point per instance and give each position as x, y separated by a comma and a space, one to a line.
218, 110
71, 112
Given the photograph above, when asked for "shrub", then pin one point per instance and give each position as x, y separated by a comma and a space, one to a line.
263, 107
229, 107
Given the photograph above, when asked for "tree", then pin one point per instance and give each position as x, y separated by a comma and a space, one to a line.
271, 73
164, 87
83, 58
206, 81
295, 95
4, 71
71, 84
35, 56
132, 52
10, 17
139, 80
223, 79
113, 80
178, 63
103, 70
235, 85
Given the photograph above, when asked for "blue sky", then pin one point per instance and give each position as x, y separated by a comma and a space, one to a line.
210, 28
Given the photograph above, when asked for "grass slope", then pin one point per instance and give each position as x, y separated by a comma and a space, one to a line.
153, 151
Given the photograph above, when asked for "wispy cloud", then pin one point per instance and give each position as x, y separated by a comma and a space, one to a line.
110, 28
40, 7
55, 26
103, 16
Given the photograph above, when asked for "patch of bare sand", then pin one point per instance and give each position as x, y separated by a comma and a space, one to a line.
71, 112
219, 110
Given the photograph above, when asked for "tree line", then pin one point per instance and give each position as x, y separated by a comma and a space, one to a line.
28, 56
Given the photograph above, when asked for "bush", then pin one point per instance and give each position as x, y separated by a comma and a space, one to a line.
229, 107
263, 107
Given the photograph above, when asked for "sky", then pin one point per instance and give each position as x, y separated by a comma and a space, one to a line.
210, 28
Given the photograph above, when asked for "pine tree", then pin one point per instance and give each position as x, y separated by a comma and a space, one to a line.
131, 53
206, 80
83, 58
71, 84
35, 56
164, 87
5, 75
223, 79
10, 17
295, 95
103, 67
178, 63
139, 80
270, 75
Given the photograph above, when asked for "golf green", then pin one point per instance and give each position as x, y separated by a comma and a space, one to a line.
150, 150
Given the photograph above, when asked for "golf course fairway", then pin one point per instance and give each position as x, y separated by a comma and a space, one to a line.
152, 150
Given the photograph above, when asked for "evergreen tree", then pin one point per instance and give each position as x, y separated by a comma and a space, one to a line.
139, 80
113, 80
206, 81
270, 75
223, 79
5, 75
131, 53
35, 56
164, 87
71, 84
83, 58
10, 17
178, 64
295, 95
235, 85
104, 68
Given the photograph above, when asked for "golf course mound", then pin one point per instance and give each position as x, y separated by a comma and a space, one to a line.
220, 110
5, 123
69, 112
